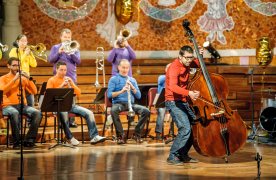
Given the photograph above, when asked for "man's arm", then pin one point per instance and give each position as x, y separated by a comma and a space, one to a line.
76, 57
111, 56
173, 74
77, 90
31, 87
111, 93
132, 54
54, 54
7, 84
135, 89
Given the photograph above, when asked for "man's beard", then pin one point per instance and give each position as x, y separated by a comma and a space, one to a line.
14, 72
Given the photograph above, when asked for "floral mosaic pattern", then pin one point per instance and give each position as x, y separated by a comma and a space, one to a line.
265, 8
66, 15
167, 14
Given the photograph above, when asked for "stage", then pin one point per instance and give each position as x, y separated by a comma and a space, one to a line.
108, 161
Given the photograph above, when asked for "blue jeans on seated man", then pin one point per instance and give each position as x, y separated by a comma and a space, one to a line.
138, 109
35, 118
160, 120
30, 102
181, 115
87, 114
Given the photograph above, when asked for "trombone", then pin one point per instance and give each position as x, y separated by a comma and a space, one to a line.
100, 65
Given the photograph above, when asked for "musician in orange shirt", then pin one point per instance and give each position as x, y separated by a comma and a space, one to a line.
62, 81
9, 84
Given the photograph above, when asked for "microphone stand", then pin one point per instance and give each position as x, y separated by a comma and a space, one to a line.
258, 158
21, 100
253, 133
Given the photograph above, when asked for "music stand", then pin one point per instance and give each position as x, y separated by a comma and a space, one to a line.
144, 89
100, 96
159, 102
99, 100
58, 100
1, 101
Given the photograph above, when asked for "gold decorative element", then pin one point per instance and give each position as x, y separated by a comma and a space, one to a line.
123, 11
264, 52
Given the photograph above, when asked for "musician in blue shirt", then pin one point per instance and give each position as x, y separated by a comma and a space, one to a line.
118, 88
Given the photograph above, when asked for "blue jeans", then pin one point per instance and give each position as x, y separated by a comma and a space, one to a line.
89, 118
85, 113
181, 115
63, 117
13, 112
138, 109
30, 99
160, 120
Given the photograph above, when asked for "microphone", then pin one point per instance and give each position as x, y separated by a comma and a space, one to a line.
214, 53
15, 44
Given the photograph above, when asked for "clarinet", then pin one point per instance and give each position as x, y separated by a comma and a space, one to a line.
130, 113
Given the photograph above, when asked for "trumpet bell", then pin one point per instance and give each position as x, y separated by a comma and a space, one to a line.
70, 47
125, 34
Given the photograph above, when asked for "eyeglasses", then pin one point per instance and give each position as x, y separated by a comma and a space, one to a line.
189, 57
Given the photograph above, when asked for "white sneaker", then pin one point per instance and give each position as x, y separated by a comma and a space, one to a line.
74, 141
97, 139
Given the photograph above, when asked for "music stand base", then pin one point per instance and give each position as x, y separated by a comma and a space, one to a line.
60, 144
253, 133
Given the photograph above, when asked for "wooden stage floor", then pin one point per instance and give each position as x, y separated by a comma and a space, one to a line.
108, 161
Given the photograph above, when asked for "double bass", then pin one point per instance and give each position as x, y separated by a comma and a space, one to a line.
218, 131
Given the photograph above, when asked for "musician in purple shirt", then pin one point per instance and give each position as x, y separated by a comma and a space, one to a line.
58, 53
71, 56
121, 50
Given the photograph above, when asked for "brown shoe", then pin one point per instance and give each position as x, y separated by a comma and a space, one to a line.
121, 140
188, 159
137, 138
158, 136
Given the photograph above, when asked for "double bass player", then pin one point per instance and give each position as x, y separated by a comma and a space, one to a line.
176, 94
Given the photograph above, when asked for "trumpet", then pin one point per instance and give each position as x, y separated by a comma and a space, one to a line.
39, 51
3, 48
100, 65
70, 47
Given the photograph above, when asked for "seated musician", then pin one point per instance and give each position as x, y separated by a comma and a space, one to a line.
9, 83
118, 87
62, 81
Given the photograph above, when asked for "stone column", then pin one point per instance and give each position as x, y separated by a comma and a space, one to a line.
11, 27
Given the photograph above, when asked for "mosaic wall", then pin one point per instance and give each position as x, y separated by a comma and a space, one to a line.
153, 34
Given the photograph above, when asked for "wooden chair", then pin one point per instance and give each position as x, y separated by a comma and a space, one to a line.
7, 119
151, 95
